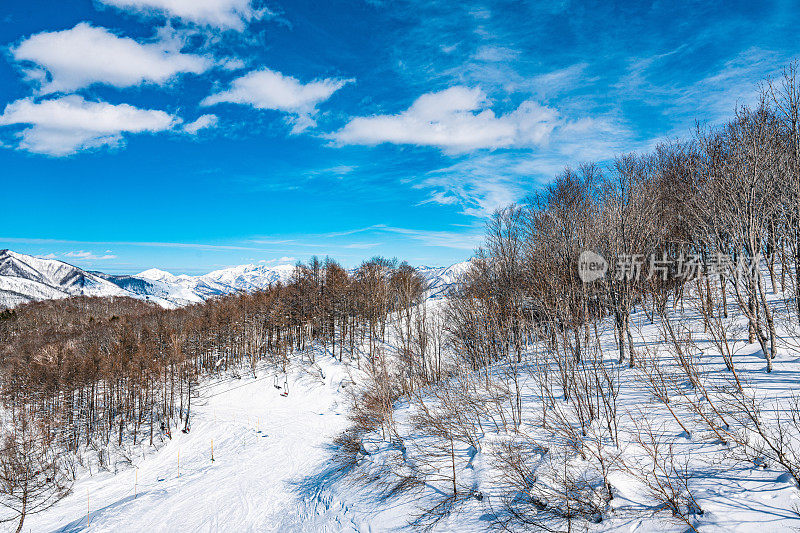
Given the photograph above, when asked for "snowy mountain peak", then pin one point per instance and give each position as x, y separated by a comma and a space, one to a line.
248, 278
441, 280
156, 275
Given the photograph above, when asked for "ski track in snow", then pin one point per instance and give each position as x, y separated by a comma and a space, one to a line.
264, 447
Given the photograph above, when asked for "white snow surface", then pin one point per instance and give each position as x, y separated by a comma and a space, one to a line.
265, 448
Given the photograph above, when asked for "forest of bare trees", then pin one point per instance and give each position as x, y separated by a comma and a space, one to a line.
707, 227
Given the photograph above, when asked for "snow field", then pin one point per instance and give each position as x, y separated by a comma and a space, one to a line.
264, 444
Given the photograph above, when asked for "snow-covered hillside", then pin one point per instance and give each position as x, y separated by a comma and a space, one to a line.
166, 294
25, 278
277, 468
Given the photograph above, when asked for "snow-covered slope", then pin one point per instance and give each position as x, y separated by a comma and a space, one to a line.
264, 446
249, 277
276, 465
163, 293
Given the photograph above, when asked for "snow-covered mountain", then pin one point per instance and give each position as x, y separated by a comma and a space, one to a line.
25, 278
246, 278
163, 293
442, 279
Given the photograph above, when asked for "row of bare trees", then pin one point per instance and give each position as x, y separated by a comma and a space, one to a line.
727, 198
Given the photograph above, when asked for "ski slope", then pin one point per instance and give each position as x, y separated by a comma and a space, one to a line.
264, 446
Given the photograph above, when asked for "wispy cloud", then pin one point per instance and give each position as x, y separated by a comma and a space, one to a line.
201, 123
465, 238
146, 244
284, 259
89, 256
443, 239
362, 245
461, 240
711, 97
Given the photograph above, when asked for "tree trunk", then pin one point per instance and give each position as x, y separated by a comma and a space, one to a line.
23, 511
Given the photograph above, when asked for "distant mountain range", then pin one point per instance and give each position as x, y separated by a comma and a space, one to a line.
25, 278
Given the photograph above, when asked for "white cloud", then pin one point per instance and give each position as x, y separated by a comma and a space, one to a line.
283, 259
203, 122
224, 14
456, 120
85, 55
268, 89
88, 256
69, 124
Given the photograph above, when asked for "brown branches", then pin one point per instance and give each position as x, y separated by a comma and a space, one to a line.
33, 474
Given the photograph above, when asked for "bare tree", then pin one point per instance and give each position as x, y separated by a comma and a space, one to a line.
32, 473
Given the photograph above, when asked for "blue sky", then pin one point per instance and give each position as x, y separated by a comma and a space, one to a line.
192, 135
